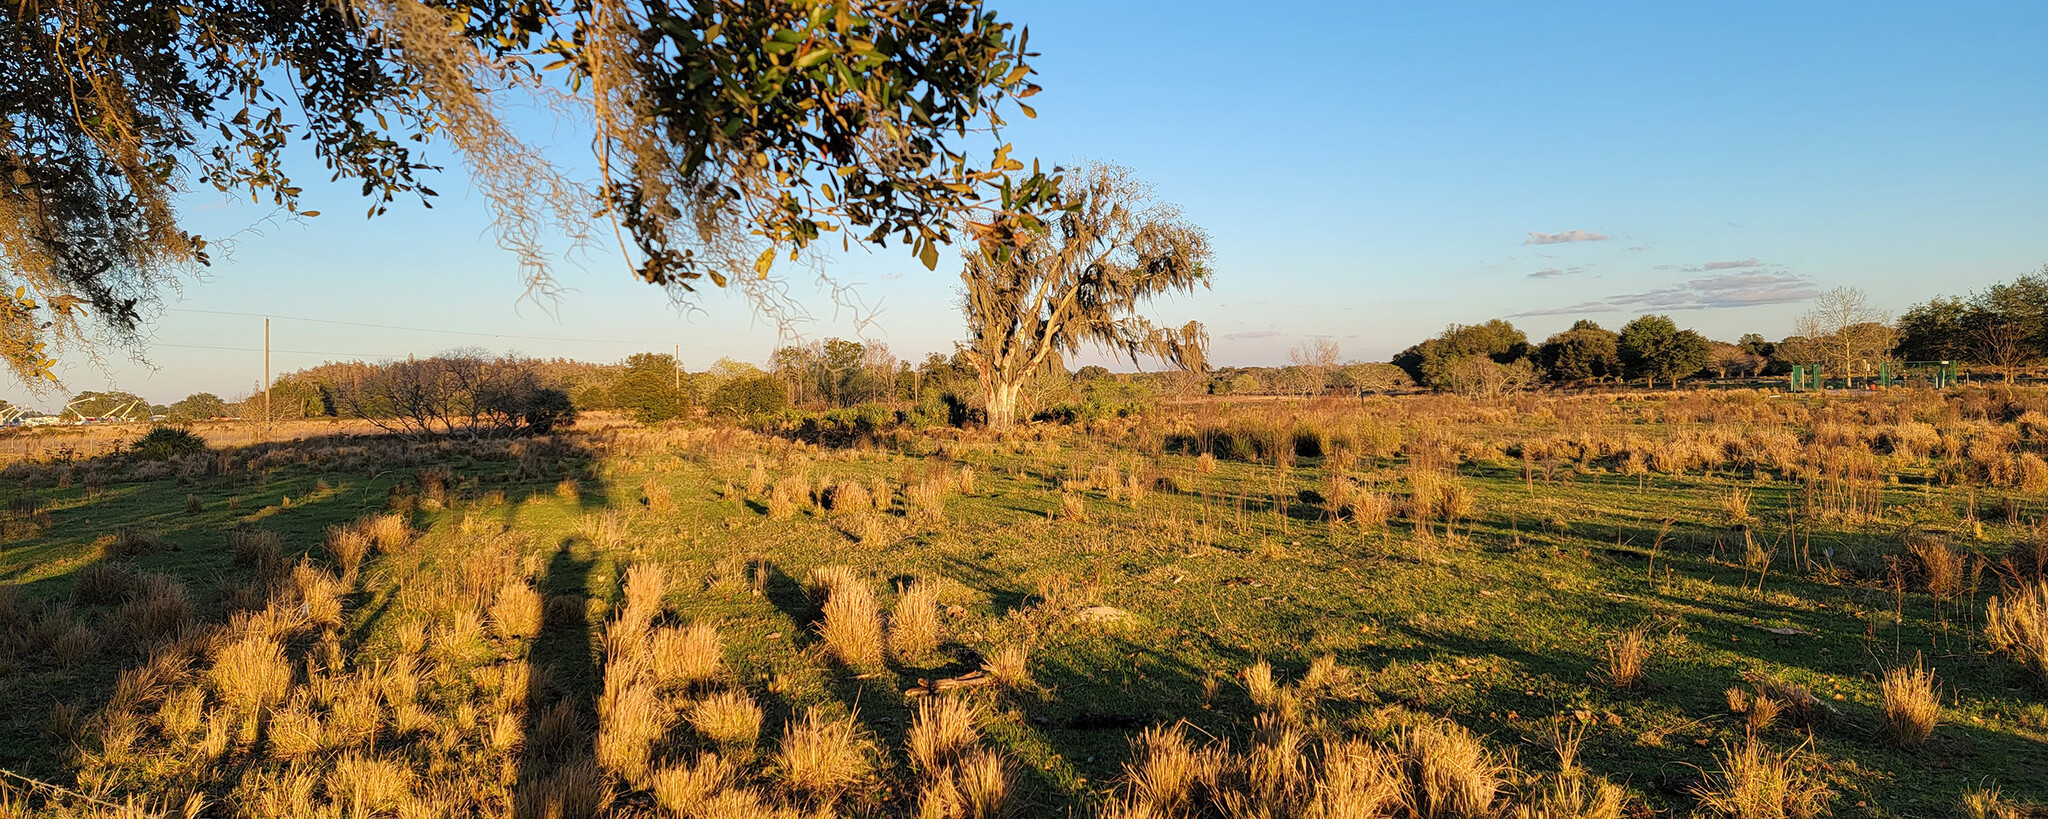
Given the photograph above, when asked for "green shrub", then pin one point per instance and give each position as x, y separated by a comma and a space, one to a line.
166, 443
545, 410
750, 397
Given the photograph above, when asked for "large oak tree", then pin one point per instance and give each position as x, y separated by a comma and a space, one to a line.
1079, 280
724, 132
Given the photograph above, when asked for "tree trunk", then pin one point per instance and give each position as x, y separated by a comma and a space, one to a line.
1002, 403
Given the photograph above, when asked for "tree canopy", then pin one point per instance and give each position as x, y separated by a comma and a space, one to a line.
1080, 281
1586, 352
1653, 348
726, 132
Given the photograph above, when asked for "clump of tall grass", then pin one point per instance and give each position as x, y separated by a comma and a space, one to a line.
824, 757
1912, 704
1450, 773
940, 732
104, 583
516, 612
1009, 666
1939, 568
849, 498
927, 498
2017, 626
631, 718
852, 625
914, 623
250, 673
1626, 655
605, 530
1754, 782
687, 790
657, 497
728, 719
685, 656
161, 610
790, 495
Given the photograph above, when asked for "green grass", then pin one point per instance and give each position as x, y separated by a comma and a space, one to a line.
1500, 625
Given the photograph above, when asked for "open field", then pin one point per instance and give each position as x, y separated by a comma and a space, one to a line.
1416, 606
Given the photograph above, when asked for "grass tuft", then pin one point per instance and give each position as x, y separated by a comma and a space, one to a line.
1912, 704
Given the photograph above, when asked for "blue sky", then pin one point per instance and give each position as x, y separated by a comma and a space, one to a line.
1369, 172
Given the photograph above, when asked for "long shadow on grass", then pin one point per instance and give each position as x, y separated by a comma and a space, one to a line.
561, 711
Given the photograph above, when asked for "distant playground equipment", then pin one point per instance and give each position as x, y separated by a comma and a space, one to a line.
1923, 374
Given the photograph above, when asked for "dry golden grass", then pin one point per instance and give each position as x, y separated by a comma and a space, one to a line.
940, 732
757, 479
914, 624
687, 790
1324, 674
631, 717
730, 720
659, 500
984, 784
824, 757
1940, 568
1912, 704
347, 546
791, 494
577, 788
1261, 687
1736, 503
318, 595
1626, 655
2017, 626
927, 499
849, 498
822, 581
1359, 781
1754, 782
160, 611
516, 612
605, 530
389, 532
685, 656
250, 674
646, 587
1453, 775
1164, 772
367, 786
852, 626
1009, 666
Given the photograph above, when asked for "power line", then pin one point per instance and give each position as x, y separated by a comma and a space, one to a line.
517, 336
260, 349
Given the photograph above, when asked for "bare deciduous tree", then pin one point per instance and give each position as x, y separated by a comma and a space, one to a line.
1317, 356
1080, 280
1853, 335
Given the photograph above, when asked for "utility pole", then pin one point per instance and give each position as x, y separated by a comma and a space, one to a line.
266, 373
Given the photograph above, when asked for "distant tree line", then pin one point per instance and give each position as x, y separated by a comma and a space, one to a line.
2002, 329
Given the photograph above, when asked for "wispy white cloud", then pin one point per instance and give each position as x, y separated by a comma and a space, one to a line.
1555, 272
1537, 238
1747, 289
1252, 334
1738, 264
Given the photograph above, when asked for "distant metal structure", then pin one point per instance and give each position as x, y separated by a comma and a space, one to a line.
1933, 374
1937, 374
